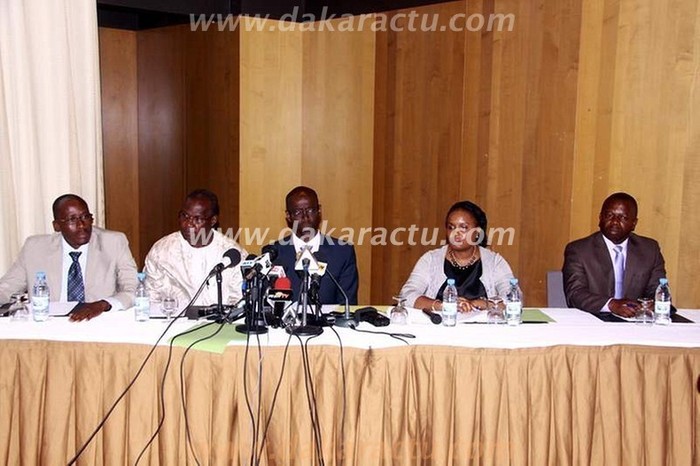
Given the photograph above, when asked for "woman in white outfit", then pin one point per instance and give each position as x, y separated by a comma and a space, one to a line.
479, 273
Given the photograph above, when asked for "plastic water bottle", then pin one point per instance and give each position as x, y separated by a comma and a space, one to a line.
514, 303
449, 304
662, 303
143, 303
40, 298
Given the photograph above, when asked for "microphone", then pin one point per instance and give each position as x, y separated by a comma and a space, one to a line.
280, 297
306, 261
281, 290
261, 264
231, 258
342, 320
276, 272
434, 317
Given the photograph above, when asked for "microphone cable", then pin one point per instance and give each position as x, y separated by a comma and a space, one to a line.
247, 399
398, 336
260, 382
342, 419
161, 397
182, 386
311, 399
274, 397
111, 409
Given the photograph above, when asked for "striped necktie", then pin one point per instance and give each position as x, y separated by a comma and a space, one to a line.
76, 288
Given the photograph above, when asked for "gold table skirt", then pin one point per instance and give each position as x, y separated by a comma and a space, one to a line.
417, 405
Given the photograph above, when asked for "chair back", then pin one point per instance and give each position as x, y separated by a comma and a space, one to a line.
555, 289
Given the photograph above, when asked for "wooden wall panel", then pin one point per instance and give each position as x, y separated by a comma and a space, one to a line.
161, 122
119, 82
532, 135
270, 126
642, 80
418, 147
581, 99
537, 125
337, 144
170, 104
211, 117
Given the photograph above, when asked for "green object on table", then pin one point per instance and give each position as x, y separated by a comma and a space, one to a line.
215, 344
535, 315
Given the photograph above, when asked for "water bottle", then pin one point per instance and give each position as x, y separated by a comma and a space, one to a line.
449, 304
40, 298
662, 303
143, 303
514, 303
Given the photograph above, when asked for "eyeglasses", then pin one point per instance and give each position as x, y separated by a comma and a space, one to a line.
309, 211
72, 221
193, 219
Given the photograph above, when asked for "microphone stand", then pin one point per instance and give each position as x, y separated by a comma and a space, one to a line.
220, 316
314, 296
304, 329
219, 294
253, 306
342, 319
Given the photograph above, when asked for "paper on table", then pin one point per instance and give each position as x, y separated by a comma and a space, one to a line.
535, 315
214, 344
481, 317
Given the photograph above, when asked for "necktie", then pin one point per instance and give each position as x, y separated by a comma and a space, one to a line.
76, 288
619, 264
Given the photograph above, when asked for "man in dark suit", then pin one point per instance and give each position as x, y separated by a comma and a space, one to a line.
609, 270
303, 217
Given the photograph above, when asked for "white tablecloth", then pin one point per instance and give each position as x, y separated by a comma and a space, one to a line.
572, 327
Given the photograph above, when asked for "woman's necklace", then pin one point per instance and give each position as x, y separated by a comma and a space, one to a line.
455, 262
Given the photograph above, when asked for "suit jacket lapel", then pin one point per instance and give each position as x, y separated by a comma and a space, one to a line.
631, 264
602, 257
54, 267
93, 260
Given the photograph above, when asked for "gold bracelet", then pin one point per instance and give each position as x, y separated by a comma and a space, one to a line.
432, 306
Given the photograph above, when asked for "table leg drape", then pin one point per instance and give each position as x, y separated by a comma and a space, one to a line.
417, 405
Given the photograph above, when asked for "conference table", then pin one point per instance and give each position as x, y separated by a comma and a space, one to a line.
569, 392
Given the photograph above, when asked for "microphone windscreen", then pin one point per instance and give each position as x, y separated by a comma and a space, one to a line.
251, 257
283, 283
234, 256
271, 251
434, 317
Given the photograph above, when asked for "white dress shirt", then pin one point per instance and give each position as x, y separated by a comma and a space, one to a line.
82, 260
299, 244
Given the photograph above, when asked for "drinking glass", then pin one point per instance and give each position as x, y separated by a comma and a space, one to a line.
645, 312
169, 306
19, 307
399, 313
496, 310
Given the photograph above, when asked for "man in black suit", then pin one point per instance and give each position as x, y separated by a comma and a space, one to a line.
303, 217
609, 270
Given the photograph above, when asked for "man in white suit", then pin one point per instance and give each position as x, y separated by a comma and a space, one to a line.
82, 263
178, 263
